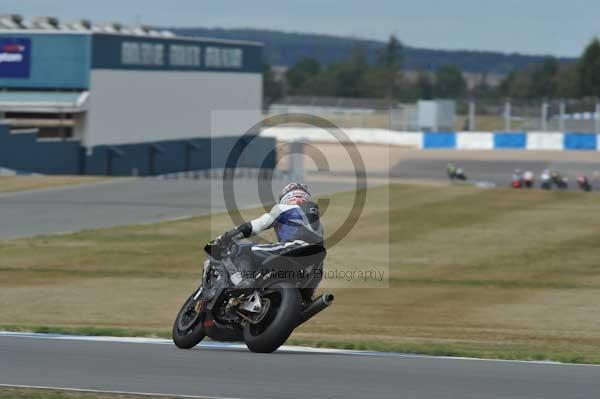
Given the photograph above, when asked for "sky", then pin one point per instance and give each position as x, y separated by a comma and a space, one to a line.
556, 27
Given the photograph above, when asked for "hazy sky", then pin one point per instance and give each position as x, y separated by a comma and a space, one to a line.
529, 26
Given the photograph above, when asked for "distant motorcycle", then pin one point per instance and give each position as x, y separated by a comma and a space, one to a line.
559, 181
528, 179
584, 183
546, 180
455, 173
517, 182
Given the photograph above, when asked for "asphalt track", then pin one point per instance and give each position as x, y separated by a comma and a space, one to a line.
497, 172
227, 371
134, 201
126, 201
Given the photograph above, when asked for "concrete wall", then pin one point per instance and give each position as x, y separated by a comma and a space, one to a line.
570, 141
144, 106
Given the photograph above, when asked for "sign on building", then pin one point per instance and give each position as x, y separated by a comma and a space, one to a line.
15, 57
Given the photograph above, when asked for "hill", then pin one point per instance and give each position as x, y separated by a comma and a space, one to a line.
286, 48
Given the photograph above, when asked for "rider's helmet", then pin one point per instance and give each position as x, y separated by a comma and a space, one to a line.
294, 194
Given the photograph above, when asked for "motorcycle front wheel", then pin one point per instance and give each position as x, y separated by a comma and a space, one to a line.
187, 328
285, 304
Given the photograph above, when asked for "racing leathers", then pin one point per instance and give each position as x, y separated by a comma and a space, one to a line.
295, 226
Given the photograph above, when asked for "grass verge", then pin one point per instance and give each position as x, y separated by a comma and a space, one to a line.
482, 273
10, 184
47, 393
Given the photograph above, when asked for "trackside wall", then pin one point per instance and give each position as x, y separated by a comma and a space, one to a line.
556, 141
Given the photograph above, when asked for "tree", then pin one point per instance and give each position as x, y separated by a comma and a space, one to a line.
424, 86
390, 56
544, 80
520, 86
566, 81
482, 89
349, 75
449, 82
387, 76
588, 69
272, 89
303, 71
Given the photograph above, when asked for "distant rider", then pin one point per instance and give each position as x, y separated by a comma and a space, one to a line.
451, 170
528, 178
517, 175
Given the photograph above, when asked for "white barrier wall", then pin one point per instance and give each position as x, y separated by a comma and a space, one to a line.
475, 141
498, 141
545, 141
355, 135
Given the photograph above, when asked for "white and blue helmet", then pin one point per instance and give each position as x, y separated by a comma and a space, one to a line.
294, 193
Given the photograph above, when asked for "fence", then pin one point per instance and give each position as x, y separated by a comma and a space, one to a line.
472, 115
533, 115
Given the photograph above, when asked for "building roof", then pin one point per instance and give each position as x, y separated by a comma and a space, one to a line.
43, 101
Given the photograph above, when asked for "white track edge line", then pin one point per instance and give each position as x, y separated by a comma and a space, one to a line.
288, 348
117, 392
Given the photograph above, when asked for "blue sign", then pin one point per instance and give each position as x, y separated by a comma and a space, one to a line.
15, 57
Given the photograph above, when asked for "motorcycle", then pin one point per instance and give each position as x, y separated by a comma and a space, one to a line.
263, 316
528, 179
517, 182
584, 183
457, 174
559, 181
546, 181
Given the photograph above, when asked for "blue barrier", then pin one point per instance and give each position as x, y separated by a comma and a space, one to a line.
439, 140
580, 141
507, 140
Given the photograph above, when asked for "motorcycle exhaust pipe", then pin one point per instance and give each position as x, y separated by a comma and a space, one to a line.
317, 306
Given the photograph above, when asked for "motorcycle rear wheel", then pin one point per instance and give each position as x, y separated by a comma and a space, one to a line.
187, 328
279, 322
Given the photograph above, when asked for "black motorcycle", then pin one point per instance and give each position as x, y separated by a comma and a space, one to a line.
263, 316
584, 183
456, 174
560, 182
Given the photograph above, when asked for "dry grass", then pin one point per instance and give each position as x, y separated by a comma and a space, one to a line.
30, 393
487, 123
22, 183
498, 273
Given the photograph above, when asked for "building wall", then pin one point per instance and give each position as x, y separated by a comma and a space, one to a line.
25, 153
150, 104
55, 61
147, 53
143, 106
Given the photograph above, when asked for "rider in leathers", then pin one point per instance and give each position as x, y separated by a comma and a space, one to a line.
296, 221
